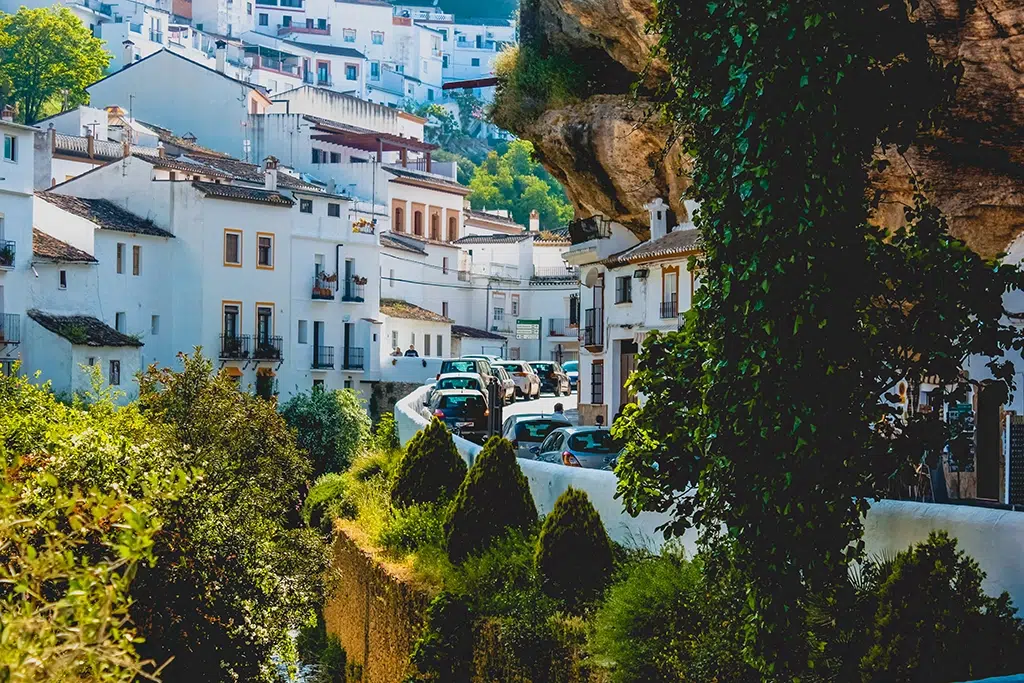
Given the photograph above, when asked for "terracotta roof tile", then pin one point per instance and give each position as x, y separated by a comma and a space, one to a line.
494, 239
677, 242
184, 165
390, 239
466, 332
105, 213
241, 194
82, 330
49, 247
396, 308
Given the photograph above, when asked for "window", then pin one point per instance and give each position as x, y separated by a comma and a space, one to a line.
444, 61
444, 308
475, 61
305, 206
440, 351
335, 157
264, 250
499, 314
377, 37
136, 259
309, 23
426, 345
115, 373
347, 384
10, 148
669, 292
453, 228
121, 322
62, 280
323, 73
515, 304
597, 382
321, 24
391, 277
286, 20
435, 227
154, 325
430, 94
317, 156
623, 289
334, 209
248, 8
444, 266
173, 175
351, 72
121, 246
374, 71
232, 248
303, 332
318, 384
264, 324
231, 320
417, 223
264, 19
91, 361
394, 338
574, 309
348, 35
399, 225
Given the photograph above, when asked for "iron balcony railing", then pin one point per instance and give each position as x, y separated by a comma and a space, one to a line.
669, 309
354, 290
267, 348
324, 286
323, 357
564, 355
593, 327
10, 329
8, 251
354, 358
234, 346
562, 327
586, 229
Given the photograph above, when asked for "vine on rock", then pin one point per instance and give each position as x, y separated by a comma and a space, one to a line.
772, 405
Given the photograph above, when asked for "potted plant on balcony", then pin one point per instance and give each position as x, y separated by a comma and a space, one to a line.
333, 277
266, 349
232, 347
359, 280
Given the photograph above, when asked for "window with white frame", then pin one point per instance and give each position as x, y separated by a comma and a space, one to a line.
348, 35
377, 37
10, 148
121, 322
303, 332
515, 304
62, 280
394, 338
115, 373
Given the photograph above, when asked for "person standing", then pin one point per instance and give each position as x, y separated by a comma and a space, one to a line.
411, 352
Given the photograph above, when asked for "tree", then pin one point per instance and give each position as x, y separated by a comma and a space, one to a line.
47, 55
769, 405
431, 469
330, 425
514, 181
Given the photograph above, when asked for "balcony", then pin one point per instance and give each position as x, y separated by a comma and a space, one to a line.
354, 358
563, 327
268, 348
323, 357
234, 347
311, 30
503, 326
10, 329
586, 229
324, 287
355, 288
556, 273
156, 36
669, 309
593, 327
7, 253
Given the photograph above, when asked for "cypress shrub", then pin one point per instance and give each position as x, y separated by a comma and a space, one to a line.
574, 554
444, 651
431, 469
493, 500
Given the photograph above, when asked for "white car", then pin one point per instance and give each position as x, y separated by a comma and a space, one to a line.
527, 381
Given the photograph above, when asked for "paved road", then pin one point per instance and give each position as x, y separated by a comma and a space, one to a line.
545, 404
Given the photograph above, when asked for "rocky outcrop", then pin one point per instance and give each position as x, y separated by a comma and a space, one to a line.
608, 152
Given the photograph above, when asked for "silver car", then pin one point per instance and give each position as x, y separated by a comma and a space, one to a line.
529, 431
527, 381
508, 385
589, 447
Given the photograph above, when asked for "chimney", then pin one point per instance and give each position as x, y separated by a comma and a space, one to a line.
658, 210
270, 174
534, 221
7, 114
222, 55
128, 53
53, 138
90, 142
160, 151
331, 187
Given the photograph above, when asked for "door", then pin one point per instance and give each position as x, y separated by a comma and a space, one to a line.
231, 321
551, 449
264, 326
627, 364
318, 342
347, 341
350, 272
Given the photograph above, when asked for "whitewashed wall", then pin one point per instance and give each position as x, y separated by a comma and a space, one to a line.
994, 538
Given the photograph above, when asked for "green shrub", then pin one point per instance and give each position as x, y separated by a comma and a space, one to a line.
431, 470
444, 651
330, 425
385, 434
324, 650
375, 464
412, 528
328, 495
932, 621
574, 554
664, 623
493, 500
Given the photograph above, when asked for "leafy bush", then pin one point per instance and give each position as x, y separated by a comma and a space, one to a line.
529, 83
493, 500
412, 528
664, 622
574, 553
932, 621
444, 651
323, 651
431, 470
326, 499
385, 434
330, 425
375, 464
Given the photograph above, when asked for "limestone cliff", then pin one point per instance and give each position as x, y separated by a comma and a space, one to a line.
611, 155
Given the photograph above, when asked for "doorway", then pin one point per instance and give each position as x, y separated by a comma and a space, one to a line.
627, 364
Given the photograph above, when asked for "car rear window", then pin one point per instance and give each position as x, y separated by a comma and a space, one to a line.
458, 383
462, 405
596, 441
535, 432
512, 367
458, 366
543, 368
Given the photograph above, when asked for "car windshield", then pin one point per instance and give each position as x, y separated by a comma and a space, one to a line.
534, 432
598, 441
458, 383
571, 366
512, 367
462, 405
458, 366
543, 368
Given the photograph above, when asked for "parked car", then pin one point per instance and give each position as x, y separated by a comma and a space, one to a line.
463, 410
527, 381
526, 431
589, 447
552, 378
483, 356
471, 365
458, 380
572, 371
508, 385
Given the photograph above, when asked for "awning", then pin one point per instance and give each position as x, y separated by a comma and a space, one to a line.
232, 371
265, 372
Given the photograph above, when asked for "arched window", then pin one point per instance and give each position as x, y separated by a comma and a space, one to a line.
435, 227
417, 223
453, 228
399, 220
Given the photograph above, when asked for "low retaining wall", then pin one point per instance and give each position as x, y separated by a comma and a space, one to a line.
995, 538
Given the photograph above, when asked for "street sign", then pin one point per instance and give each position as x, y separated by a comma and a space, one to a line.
527, 329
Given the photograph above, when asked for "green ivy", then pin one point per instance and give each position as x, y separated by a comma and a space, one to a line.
769, 405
